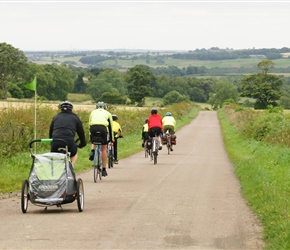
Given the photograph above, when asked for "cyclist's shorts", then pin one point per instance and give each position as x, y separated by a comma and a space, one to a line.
72, 147
99, 128
155, 131
170, 127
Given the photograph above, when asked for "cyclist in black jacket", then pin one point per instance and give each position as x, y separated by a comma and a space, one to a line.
64, 126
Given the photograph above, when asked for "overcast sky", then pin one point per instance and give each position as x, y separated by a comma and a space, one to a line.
150, 25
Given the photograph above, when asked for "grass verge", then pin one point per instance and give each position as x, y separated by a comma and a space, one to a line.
263, 172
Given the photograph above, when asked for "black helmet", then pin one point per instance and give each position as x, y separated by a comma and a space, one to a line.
115, 117
154, 111
101, 105
66, 105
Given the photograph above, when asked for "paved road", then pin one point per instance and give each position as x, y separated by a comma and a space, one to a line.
190, 200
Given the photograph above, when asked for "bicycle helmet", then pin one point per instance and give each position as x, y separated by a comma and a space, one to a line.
154, 111
115, 117
66, 105
101, 105
168, 114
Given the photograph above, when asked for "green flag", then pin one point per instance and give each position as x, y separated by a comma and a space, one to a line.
32, 85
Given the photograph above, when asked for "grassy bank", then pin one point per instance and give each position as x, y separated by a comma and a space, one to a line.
17, 124
263, 170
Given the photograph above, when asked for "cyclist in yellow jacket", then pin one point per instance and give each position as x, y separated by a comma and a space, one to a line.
117, 129
169, 123
145, 132
100, 120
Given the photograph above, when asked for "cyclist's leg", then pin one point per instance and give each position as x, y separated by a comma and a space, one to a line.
73, 159
151, 133
104, 155
93, 130
73, 149
116, 150
158, 132
104, 135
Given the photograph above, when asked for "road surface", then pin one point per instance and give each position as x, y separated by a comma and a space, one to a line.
190, 200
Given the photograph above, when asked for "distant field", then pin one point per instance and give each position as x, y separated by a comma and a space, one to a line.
82, 102
128, 63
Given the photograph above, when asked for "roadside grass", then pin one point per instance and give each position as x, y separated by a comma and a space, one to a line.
16, 164
263, 171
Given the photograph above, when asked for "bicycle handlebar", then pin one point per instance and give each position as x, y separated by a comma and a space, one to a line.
46, 140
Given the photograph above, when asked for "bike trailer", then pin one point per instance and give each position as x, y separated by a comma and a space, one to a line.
51, 180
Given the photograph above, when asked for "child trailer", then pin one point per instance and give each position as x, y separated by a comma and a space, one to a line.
51, 180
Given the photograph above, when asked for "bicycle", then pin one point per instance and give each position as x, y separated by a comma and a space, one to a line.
110, 154
147, 146
146, 149
168, 141
155, 146
97, 162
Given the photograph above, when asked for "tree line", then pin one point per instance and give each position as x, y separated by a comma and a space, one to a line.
54, 82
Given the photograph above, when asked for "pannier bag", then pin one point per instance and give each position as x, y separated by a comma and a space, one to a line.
149, 144
163, 139
173, 139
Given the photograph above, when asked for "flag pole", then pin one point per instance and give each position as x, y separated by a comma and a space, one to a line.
32, 86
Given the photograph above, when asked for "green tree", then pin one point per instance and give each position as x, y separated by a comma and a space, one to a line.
285, 101
174, 97
197, 95
108, 80
265, 66
264, 87
223, 91
62, 82
98, 86
115, 78
12, 66
79, 84
140, 81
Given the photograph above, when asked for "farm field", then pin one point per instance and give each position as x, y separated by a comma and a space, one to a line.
125, 63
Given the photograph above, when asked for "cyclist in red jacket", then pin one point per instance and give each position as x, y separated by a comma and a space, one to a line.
155, 125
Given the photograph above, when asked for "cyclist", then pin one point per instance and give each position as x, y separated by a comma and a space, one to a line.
169, 123
155, 125
117, 134
64, 126
100, 120
145, 134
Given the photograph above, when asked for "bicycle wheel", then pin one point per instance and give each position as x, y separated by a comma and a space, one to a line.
99, 171
95, 173
24, 196
155, 150
96, 159
146, 152
110, 158
168, 144
155, 157
80, 195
